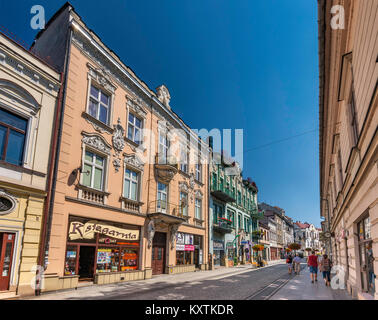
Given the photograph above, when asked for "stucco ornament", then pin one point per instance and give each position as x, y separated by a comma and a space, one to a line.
163, 95
118, 137
117, 164
7, 202
134, 161
174, 229
96, 141
150, 232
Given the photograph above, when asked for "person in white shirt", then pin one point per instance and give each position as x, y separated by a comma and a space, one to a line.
297, 263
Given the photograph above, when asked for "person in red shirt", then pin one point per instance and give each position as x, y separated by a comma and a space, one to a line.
312, 262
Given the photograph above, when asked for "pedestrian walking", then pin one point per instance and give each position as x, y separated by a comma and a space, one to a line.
297, 263
312, 262
325, 267
289, 261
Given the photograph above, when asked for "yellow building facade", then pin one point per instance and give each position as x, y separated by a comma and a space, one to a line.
28, 98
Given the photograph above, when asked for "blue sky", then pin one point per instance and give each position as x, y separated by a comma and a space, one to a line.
246, 64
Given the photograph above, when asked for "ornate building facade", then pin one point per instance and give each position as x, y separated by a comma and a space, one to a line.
29, 90
233, 213
131, 194
348, 122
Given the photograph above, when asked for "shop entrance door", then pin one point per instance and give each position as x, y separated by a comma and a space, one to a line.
158, 253
86, 262
6, 256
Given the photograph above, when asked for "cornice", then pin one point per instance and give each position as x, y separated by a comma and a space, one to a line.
25, 70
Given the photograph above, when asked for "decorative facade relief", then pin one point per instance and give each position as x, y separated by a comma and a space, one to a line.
102, 77
150, 232
173, 233
7, 202
97, 142
163, 95
133, 161
118, 137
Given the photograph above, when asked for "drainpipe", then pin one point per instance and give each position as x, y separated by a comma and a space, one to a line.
53, 170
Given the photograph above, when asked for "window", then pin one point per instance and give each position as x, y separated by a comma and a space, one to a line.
134, 129
239, 198
353, 120
12, 137
199, 172
163, 148
184, 203
198, 209
240, 222
162, 197
340, 167
99, 103
93, 173
183, 159
218, 213
130, 188
231, 216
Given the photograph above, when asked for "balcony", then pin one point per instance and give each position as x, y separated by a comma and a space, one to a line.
167, 212
222, 226
165, 167
218, 191
255, 213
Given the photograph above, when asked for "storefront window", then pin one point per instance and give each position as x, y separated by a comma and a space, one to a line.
70, 263
114, 247
107, 259
129, 259
366, 256
185, 248
180, 257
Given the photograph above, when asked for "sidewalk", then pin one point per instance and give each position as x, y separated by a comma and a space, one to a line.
301, 288
179, 279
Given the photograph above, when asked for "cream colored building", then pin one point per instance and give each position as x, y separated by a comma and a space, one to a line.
348, 56
143, 198
28, 100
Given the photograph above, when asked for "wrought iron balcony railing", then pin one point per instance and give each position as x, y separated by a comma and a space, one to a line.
162, 206
223, 226
219, 191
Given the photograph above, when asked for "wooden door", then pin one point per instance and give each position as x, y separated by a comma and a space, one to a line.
158, 253
6, 256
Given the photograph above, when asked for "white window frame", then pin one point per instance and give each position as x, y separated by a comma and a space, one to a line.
134, 126
186, 208
165, 147
184, 163
94, 165
158, 206
131, 180
101, 91
196, 206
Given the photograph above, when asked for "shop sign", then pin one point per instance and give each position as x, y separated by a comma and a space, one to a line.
79, 230
244, 242
189, 247
184, 238
218, 245
230, 245
188, 238
180, 238
180, 247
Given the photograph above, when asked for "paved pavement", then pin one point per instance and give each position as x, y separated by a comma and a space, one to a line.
236, 283
301, 288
